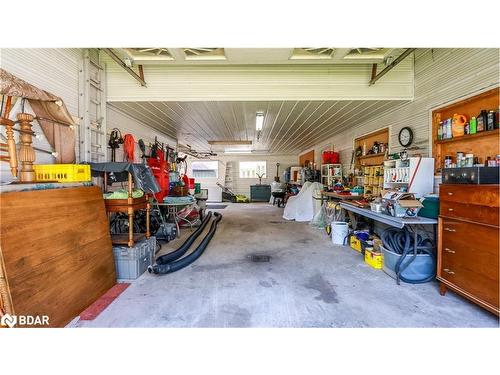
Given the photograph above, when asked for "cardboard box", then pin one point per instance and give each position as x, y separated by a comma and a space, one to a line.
401, 204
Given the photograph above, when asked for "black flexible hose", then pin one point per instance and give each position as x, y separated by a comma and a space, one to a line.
176, 254
187, 260
400, 241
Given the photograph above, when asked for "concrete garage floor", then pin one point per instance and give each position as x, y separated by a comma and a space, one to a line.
307, 283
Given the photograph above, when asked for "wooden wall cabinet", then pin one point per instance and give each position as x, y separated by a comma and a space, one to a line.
468, 247
482, 144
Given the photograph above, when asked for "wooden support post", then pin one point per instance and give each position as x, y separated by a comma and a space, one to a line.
374, 72
130, 200
141, 72
5, 297
26, 152
148, 210
11, 144
130, 227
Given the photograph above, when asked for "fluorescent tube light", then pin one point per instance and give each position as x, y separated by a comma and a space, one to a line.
259, 121
238, 151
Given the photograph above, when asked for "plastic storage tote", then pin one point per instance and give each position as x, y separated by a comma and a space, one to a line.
430, 207
132, 262
62, 172
419, 269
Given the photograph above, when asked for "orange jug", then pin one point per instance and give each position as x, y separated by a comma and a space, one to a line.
458, 125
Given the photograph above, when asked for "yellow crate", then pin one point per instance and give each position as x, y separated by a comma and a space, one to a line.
62, 172
355, 243
373, 259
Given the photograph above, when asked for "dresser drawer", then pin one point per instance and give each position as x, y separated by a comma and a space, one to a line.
474, 259
480, 214
477, 285
464, 235
469, 258
483, 195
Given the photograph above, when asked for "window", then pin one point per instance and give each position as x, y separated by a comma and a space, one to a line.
205, 169
250, 169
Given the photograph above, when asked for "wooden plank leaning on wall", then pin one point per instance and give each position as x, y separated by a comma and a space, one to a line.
56, 249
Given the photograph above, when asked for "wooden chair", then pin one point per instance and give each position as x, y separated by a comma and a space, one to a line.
10, 146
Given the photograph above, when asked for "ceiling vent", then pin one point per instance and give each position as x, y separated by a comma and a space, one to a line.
310, 53
201, 54
367, 54
151, 54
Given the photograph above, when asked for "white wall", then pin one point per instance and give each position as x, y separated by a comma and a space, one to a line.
56, 70
53, 70
242, 185
259, 82
441, 76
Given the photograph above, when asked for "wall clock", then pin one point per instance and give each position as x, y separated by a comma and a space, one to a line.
405, 136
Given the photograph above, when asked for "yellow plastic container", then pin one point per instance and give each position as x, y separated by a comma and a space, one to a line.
355, 243
62, 172
373, 259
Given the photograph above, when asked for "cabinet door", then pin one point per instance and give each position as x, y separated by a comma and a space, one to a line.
469, 258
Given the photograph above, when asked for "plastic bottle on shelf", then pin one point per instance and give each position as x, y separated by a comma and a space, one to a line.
364, 148
473, 126
490, 120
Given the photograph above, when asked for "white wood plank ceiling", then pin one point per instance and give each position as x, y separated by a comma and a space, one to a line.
289, 126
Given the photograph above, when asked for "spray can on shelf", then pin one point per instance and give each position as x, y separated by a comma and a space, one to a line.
440, 130
447, 161
481, 121
449, 128
460, 159
490, 120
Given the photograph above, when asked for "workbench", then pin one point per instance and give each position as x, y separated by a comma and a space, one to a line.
397, 222
336, 196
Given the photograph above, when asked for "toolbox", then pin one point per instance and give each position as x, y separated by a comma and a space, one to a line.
471, 175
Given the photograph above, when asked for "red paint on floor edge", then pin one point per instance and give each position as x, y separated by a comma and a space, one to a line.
91, 312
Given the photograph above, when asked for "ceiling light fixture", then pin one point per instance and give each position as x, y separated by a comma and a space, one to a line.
259, 121
229, 142
238, 151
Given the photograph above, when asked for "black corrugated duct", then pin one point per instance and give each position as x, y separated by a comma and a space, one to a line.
187, 260
174, 255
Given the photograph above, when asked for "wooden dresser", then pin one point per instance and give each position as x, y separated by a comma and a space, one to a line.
469, 243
